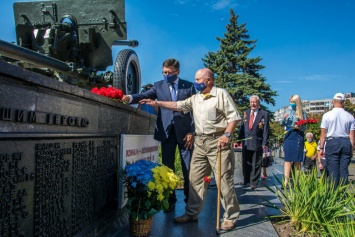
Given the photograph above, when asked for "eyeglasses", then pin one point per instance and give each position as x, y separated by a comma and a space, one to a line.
169, 73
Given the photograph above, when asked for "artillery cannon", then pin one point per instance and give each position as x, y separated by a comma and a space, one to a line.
71, 41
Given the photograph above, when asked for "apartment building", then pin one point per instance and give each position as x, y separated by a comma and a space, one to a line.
315, 106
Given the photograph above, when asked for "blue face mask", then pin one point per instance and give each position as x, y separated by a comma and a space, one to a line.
293, 105
170, 78
309, 140
200, 86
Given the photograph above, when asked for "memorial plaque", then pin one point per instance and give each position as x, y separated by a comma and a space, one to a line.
56, 186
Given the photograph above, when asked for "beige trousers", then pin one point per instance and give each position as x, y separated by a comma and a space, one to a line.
203, 162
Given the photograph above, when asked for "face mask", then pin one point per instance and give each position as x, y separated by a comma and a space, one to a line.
293, 105
200, 86
170, 78
309, 140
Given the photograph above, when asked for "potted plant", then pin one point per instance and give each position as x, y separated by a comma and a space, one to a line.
148, 187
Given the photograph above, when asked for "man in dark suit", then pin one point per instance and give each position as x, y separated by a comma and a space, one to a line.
147, 108
172, 128
254, 133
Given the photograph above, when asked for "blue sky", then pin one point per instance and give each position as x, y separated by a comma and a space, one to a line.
307, 46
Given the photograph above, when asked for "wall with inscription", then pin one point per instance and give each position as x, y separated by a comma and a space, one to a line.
59, 155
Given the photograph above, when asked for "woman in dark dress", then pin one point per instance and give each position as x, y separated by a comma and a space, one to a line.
294, 137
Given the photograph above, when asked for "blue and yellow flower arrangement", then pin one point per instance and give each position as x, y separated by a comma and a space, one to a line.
148, 188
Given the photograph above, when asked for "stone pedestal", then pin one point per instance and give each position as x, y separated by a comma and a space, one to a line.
59, 155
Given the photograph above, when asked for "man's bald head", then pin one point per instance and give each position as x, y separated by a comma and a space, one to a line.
205, 73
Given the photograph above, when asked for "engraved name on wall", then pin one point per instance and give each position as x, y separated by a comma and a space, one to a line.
56, 187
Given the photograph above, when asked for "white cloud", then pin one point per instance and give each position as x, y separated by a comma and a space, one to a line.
284, 82
320, 77
214, 4
180, 2
222, 4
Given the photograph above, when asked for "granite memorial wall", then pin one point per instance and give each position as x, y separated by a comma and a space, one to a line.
59, 155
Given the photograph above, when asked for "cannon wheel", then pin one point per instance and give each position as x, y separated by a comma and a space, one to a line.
127, 74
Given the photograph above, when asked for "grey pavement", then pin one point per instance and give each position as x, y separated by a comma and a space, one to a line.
253, 216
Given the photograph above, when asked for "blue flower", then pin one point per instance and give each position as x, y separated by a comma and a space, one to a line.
148, 194
140, 172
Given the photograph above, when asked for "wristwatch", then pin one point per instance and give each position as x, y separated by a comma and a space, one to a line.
227, 134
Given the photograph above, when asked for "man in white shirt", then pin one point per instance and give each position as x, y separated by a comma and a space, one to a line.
338, 129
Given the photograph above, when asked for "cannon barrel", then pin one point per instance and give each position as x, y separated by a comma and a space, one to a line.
19, 53
131, 43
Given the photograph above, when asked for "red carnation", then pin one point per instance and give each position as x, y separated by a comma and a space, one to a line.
109, 92
207, 179
95, 90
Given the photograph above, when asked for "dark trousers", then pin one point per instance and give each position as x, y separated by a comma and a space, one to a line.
338, 154
168, 148
309, 164
252, 166
324, 170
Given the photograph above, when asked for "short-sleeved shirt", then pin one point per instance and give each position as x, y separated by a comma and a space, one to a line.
338, 123
212, 112
311, 148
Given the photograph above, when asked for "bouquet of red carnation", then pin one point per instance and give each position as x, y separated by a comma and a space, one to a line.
109, 92
306, 121
312, 126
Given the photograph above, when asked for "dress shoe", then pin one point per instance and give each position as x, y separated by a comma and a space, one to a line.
170, 208
227, 225
185, 218
253, 187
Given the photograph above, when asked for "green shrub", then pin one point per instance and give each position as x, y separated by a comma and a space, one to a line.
178, 169
313, 206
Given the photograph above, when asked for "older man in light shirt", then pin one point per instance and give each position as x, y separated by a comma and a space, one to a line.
215, 117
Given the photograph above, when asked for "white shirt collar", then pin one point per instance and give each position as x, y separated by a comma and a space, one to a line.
256, 111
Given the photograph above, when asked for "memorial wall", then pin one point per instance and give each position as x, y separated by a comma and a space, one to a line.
59, 156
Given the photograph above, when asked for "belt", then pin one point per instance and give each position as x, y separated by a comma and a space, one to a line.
216, 134
330, 138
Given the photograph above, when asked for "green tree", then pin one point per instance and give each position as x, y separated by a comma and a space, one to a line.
277, 132
235, 71
314, 128
348, 106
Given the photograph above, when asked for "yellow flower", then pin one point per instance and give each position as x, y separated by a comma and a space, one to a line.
160, 197
159, 188
151, 186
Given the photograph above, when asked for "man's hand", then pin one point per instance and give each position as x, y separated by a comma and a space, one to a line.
223, 141
285, 116
320, 166
126, 98
321, 154
189, 140
147, 101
